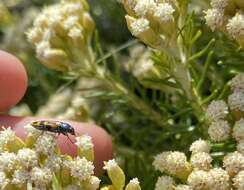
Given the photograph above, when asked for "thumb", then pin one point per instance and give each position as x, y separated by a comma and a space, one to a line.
13, 80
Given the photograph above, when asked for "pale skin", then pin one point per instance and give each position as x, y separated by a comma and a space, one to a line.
13, 85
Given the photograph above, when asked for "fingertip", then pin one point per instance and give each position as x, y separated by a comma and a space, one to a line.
13, 80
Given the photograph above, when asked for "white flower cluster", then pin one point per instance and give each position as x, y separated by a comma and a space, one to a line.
59, 32
220, 17
149, 20
35, 162
219, 129
199, 174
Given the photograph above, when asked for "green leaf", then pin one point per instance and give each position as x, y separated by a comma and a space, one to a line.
56, 184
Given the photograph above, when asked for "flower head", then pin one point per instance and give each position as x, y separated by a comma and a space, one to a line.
165, 183
20, 177
201, 161
144, 7
240, 147
45, 144
200, 146
237, 83
6, 136
81, 168
233, 163
214, 18
164, 12
4, 181
8, 161
238, 181
55, 26
219, 131
200, 180
139, 26
27, 157
84, 142
219, 4
235, 26
216, 110
41, 177
221, 179
236, 101
238, 130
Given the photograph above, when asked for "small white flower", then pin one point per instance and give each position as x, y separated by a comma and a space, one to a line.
20, 177
217, 110
233, 163
159, 162
164, 12
240, 147
34, 35
109, 165
134, 181
236, 101
200, 146
200, 180
84, 142
75, 33
221, 179
238, 130
53, 162
238, 181
235, 26
219, 131
81, 168
27, 157
139, 26
237, 83
201, 161
141, 68
214, 18
4, 181
70, 22
8, 161
42, 49
176, 162
144, 7
41, 177
6, 136
219, 4
165, 183
45, 144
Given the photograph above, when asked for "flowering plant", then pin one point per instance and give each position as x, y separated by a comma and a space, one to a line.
171, 96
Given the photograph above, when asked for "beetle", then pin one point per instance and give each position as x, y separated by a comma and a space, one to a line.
54, 127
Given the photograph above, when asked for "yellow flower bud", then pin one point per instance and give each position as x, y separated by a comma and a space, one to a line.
55, 59
115, 174
88, 23
133, 185
142, 30
110, 187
